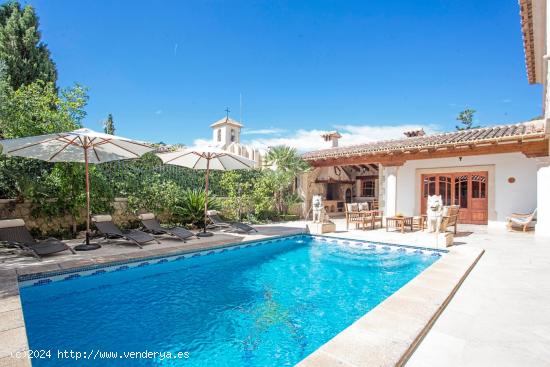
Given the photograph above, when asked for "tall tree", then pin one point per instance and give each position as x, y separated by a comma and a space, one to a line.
109, 125
27, 58
466, 118
38, 108
4, 90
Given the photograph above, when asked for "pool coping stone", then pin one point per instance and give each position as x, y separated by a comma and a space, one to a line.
373, 340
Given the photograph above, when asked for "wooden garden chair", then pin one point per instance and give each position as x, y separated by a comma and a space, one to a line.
450, 217
520, 220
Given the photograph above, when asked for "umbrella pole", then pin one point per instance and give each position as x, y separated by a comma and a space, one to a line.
87, 196
86, 246
206, 181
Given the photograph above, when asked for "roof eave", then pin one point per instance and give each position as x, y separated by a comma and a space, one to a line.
434, 147
533, 13
236, 124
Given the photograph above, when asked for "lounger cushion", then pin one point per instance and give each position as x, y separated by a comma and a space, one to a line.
47, 247
110, 230
153, 226
102, 218
139, 236
363, 206
146, 216
181, 232
10, 223
108, 227
352, 207
243, 227
520, 220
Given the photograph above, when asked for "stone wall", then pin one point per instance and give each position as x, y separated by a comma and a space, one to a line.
307, 188
60, 225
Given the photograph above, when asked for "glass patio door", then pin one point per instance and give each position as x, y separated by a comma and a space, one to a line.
478, 200
437, 184
468, 190
461, 196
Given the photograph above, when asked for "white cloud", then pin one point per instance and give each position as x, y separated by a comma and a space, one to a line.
269, 131
306, 140
201, 143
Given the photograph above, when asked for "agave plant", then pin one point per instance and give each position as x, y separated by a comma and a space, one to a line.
191, 206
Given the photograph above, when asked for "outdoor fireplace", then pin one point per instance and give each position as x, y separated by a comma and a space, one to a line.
333, 191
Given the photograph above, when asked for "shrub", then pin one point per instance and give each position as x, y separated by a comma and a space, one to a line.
239, 188
191, 206
156, 195
264, 196
63, 191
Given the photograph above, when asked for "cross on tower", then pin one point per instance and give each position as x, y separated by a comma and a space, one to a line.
227, 110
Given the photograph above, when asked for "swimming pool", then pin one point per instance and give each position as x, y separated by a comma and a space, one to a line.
265, 303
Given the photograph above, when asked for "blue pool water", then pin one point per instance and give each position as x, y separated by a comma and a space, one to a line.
267, 305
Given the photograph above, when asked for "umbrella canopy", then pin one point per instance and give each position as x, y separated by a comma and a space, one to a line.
70, 147
82, 145
208, 158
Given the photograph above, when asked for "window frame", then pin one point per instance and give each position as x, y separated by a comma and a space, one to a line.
365, 189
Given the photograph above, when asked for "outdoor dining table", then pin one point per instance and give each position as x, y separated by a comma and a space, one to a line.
399, 223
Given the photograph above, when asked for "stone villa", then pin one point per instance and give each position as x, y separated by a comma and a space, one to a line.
490, 172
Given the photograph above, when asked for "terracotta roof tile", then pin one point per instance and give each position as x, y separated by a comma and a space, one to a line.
526, 14
464, 137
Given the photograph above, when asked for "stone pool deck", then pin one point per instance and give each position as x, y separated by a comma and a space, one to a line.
500, 315
497, 316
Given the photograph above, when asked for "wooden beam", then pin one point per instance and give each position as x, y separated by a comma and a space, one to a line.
530, 149
387, 161
330, 180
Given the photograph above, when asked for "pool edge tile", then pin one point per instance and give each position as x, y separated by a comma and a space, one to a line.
359, 346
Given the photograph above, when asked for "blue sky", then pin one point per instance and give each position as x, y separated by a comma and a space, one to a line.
167, 69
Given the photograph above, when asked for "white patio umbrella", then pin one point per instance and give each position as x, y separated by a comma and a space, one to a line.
208, 158
82, 145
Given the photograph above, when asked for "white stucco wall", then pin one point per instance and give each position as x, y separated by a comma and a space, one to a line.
225, 135
504, 198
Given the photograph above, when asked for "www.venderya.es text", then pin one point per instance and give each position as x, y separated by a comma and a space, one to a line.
99, 354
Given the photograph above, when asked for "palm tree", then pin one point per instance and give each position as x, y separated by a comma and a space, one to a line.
286, 159
286, 164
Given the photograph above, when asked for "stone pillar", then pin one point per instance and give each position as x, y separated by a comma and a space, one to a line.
381, 187
543, 197
306, 188
390, 193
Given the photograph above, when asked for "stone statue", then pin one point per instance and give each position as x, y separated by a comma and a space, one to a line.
321, 222
434, 212
318, 210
